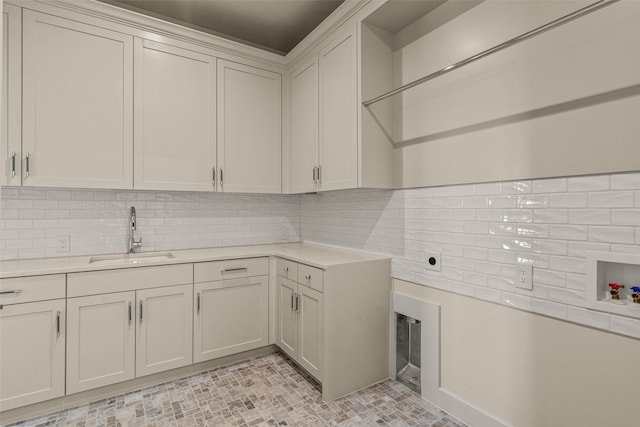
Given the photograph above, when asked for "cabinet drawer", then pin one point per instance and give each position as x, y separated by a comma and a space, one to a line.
310, 276
107, 281
32, 288
288, 269
230, 269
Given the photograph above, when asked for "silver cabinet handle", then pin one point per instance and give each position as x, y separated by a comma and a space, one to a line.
234, 270
13, 163
297, 302
130, 313
221, 177
319, 170
140, 311
213, 176
15, 291
198, 302
28, 164
58, 324
314, 174
307, 276
292, 297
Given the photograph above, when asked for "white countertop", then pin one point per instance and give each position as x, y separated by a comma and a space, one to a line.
323, 257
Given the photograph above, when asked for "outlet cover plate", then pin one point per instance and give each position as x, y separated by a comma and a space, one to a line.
433, 261
62, 245
524, 276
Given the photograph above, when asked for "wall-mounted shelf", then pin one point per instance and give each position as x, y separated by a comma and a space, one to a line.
604, 268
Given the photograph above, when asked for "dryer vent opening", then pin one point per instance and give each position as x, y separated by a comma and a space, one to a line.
408, 351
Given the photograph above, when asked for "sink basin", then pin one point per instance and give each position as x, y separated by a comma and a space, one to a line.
131, 258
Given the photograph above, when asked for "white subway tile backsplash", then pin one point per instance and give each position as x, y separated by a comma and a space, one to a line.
626, 217
568, 200
554, 185
482, 230
590, 216
625, 181
611, 199
611, 234
589, 183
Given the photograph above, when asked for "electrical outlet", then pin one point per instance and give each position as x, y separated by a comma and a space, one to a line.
524, 276
433, 262
62, 245
284, 233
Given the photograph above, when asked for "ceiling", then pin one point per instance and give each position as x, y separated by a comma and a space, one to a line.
274, 25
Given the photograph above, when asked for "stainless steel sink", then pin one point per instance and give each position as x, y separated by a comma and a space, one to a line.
131, 258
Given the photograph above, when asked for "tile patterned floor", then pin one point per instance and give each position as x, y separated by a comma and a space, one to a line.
263, 391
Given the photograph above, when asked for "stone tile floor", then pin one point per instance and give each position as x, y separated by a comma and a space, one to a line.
263, 391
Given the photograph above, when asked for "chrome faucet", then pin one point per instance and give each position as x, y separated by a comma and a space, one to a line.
133, 243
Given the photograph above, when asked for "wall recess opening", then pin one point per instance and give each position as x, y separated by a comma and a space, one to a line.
408, 366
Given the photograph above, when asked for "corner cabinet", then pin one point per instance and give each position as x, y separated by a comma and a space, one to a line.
175, 118
334, 322
249, 129
323, 131
77, 104
32, 340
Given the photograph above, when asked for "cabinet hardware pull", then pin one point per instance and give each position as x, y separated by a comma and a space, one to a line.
292, 296
213, 176
234, 270
319, 169
13, 164
28, 164
297, 302
130, 316
16, 291
286, 269
198, 302
221, 177
141, 311
58, 324
314, 174
307, 276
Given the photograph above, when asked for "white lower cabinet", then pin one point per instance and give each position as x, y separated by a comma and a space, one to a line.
300, 323
232, 314
128, 323
101, 340
164, 335
32, 348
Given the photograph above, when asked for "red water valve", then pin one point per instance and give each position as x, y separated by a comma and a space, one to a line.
615, 286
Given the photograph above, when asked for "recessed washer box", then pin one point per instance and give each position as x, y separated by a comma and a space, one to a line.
610, 267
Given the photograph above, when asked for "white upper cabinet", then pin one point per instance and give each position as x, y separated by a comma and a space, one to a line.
303, 151
10, 154
175, 118
249, 129
338, 95
77, 104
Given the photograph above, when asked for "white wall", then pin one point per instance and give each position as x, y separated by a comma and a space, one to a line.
530, 370
483, 230
97, 220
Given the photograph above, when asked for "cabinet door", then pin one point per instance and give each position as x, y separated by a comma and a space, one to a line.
101, 340
304, 127
175, 118
77, 104
31, 353
165, 327
310, 331
10, 154
338, 113
231, 316
249, 129
287, 317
